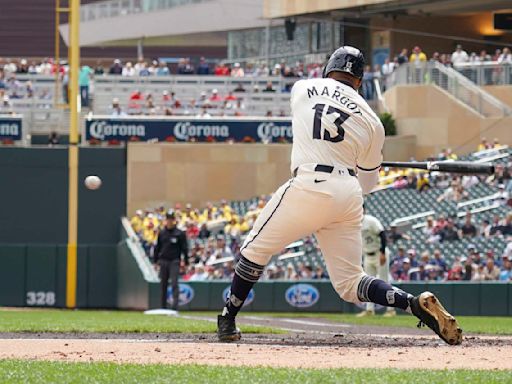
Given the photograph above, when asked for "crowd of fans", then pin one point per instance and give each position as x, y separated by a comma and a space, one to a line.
418, 58
205, 105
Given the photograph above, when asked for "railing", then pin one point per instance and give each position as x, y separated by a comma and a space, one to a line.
487, 73
115, 8
457, 85
137, 251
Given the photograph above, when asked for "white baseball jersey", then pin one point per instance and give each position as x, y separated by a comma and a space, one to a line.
333, 125
371, 230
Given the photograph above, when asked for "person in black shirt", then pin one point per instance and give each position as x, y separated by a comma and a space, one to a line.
171, 244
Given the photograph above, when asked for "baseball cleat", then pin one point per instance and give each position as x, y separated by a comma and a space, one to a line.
431, 313
366, 313
226, 329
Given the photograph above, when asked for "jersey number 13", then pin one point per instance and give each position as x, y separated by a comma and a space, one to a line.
317, 125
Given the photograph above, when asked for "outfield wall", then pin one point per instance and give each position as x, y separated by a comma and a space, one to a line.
34, 226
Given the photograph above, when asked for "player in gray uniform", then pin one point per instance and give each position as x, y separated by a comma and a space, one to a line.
375, 257
335, 132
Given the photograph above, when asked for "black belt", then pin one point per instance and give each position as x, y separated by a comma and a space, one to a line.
325, 169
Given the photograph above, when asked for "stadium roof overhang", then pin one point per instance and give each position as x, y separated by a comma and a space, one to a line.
204, 23
369, 8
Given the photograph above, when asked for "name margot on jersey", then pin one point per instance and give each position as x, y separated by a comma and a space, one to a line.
335, 95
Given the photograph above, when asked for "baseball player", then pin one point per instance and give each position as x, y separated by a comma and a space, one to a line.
335, 132
375, 257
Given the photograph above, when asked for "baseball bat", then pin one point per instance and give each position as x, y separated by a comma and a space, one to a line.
466, 167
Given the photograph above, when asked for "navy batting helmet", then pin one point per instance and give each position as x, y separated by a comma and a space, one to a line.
346, 59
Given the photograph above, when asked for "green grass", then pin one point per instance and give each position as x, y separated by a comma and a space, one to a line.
470, 324
16, 371
105, 322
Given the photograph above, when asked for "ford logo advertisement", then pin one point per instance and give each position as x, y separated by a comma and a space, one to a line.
248, 301
186, 294
187, 130
302, 295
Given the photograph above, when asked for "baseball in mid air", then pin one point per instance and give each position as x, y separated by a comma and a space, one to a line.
92, 182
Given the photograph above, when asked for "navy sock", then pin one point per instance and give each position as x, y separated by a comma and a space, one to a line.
379, 292
247, 274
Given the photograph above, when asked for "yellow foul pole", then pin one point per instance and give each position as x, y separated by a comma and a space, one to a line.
74, 68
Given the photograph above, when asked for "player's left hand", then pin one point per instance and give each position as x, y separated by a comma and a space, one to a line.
382, 258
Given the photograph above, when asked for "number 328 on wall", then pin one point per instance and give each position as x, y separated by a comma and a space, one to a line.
41, 298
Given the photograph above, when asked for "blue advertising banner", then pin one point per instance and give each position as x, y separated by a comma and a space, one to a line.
188, 129
10, 128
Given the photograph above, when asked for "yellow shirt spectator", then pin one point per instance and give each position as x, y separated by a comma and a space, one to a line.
136, 222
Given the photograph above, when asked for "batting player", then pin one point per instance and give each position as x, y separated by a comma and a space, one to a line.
335, 132
375, 257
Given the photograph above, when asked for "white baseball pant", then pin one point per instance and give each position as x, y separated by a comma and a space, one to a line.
328, 205
372, 267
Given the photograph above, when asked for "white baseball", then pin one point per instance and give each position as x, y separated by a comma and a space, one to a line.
92, 182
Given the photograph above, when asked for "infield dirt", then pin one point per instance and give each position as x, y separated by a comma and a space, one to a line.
311, 343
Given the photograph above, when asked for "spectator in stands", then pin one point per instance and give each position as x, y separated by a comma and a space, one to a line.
367, 87
290, 273
433, 273
468, 268
129, 70
485, 228
417, 56
84, 81
418, 274
491, 271
393, 235
455, 273
137, 221
53, 139
320, 273
222, 70
203, 68
237, 71
422, 183
215, 97
239, 88
403, 274
117, 111
411, 255
467, 229
99, 70
439, 261
454, 193
184, 67
459, 56
116, 68
411, 180
162, 70
505, 57
388, 67
449, 233
269, 87
403, 57
506, 269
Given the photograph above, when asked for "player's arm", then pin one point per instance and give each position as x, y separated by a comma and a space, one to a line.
184, 247
369, 164
156, 250
382, 236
